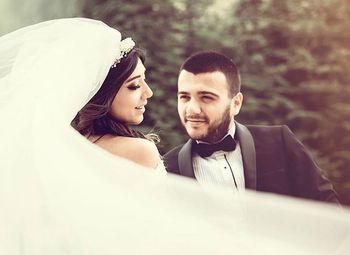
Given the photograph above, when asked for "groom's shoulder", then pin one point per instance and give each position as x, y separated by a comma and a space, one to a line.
272, 136
173, 152
265, 128
171, 159
267, 131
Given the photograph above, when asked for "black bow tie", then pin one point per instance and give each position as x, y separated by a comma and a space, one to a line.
205, 150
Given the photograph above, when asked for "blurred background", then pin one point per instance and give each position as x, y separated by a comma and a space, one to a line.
294, 56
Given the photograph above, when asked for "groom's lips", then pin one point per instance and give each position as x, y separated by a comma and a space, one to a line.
195, 119
196, 122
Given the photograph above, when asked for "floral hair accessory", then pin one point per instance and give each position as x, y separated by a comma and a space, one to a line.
126, 46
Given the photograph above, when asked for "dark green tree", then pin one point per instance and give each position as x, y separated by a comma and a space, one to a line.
295, 55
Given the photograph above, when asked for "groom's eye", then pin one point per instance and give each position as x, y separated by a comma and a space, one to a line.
207, 98
183, 97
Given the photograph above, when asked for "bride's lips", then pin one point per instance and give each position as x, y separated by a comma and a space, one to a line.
141, 107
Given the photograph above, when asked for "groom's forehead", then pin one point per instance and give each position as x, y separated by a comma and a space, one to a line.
209, 82
203, 77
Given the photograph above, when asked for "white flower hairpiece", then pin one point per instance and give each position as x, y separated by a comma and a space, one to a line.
126, 46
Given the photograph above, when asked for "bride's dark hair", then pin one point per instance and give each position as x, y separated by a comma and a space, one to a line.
94, 118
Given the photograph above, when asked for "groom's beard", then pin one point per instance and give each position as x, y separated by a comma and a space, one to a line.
216, 131
219, 128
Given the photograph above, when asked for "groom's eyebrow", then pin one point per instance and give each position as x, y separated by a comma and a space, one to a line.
199, 93
207, 93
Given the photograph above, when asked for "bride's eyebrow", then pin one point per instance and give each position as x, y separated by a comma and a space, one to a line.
133, 78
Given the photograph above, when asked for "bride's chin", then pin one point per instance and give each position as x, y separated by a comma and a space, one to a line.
136, 121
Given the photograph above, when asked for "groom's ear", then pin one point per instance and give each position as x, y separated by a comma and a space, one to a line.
236, 103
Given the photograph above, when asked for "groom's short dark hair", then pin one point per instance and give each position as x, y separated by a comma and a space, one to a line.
211, 61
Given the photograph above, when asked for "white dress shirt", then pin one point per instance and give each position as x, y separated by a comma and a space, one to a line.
221, 168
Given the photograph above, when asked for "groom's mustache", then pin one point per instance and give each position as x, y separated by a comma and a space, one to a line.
196, 117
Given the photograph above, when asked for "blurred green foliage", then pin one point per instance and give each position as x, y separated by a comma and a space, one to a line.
293, 56
295, 59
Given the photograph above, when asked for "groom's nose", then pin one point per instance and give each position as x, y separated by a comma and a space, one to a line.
193, 107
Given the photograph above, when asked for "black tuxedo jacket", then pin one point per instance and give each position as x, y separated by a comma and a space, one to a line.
273, 161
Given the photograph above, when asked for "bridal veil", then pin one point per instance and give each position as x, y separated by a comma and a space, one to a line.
61, 194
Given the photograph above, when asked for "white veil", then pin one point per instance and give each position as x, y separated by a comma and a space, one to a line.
60, 194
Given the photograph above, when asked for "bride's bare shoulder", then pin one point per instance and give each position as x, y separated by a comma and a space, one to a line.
139, 150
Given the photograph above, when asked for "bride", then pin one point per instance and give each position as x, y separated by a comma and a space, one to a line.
62, 194
120, 101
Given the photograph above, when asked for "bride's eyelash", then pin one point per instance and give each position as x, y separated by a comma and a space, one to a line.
133, 86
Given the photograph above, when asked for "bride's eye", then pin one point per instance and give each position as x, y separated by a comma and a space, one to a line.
133, 86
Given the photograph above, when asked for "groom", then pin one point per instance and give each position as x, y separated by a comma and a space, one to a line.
224, 152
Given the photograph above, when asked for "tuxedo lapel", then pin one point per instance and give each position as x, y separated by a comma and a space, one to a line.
185, 160
246, 143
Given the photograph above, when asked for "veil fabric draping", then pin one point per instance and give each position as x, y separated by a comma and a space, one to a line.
61, 194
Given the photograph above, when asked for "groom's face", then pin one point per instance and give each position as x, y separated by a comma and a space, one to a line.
205, 106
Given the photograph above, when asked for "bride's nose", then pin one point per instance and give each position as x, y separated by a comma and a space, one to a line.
147, 92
